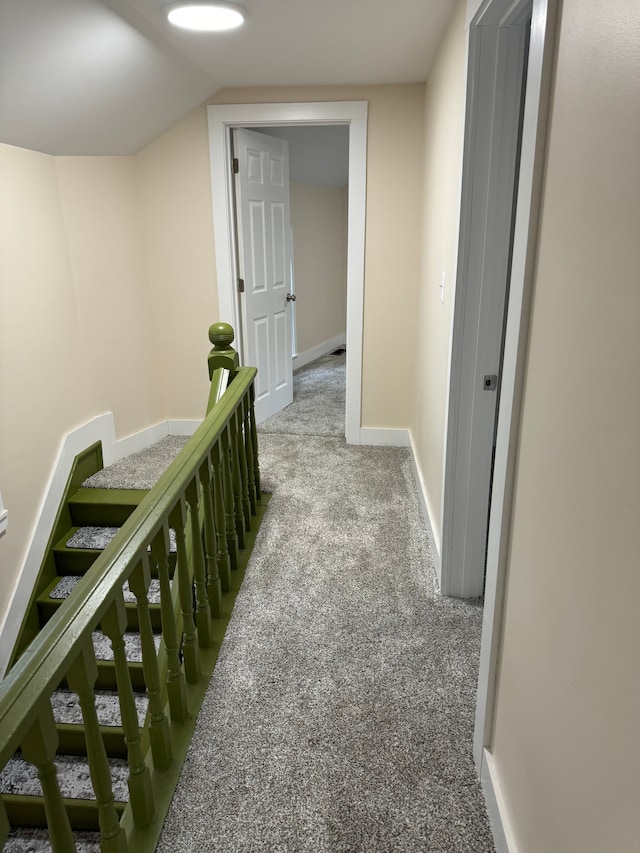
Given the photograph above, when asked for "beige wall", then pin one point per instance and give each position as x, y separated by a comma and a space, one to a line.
108, 267
444, 130
101, 219
74, 329
394, 194
174, 180
566, 743
318, 218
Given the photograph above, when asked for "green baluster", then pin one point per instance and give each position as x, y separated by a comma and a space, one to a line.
5, 827
254, 440
39, 748
224, 562
114, 625
242, 459
248, 446
203, 609
238, 511
82, 677
159, 735
214, 585
176, 683
190, 647
227, 489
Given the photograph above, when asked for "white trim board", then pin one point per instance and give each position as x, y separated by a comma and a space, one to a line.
183, 427
222, 118
100, 428
497, 53
384, 437
525, 238
427, 512
300, 359
503, 838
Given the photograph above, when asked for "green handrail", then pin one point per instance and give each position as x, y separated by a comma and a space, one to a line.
62, 649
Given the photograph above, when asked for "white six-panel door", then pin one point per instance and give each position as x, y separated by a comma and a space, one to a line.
262, 203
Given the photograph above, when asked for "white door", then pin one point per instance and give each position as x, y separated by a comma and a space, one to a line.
264, 254
497, 71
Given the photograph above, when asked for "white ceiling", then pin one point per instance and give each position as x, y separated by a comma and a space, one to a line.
108, 76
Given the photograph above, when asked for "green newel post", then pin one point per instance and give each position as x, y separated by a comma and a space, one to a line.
223, 354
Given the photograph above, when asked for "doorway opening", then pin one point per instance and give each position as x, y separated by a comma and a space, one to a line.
314, 305
223, 119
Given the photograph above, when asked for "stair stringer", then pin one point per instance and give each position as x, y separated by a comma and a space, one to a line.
84, 465
100, 428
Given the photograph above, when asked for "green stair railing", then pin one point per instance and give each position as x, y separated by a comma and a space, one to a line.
208, 495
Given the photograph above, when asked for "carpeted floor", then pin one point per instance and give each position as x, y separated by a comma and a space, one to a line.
340, 714
319, 392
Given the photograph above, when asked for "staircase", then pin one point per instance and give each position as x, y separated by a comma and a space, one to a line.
123, 629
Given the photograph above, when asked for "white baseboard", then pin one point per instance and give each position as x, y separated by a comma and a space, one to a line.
183, 427
384, 437
496, 807
426, 508
101, 428
134, 442
309, 355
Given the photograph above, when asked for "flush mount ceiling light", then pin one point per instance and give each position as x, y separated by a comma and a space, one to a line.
206, 17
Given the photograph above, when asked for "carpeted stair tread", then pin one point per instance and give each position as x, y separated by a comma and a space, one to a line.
74, 779
67, 584
104, 652
97, 538
26, 840
141, 470
67, 711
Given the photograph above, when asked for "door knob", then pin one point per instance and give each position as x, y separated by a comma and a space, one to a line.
291, 297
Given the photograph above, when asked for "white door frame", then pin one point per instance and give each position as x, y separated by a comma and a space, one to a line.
524, 249
497, 49
224, 117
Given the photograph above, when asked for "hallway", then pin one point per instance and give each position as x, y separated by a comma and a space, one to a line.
340, 714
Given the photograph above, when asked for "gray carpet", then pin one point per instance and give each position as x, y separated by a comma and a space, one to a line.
68, 583
319, 393
340, 714
37, 841
74, 778
141, 470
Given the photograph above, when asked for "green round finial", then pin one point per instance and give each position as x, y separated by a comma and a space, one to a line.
221, 335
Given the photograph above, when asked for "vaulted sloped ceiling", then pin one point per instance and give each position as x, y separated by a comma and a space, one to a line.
108, 76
